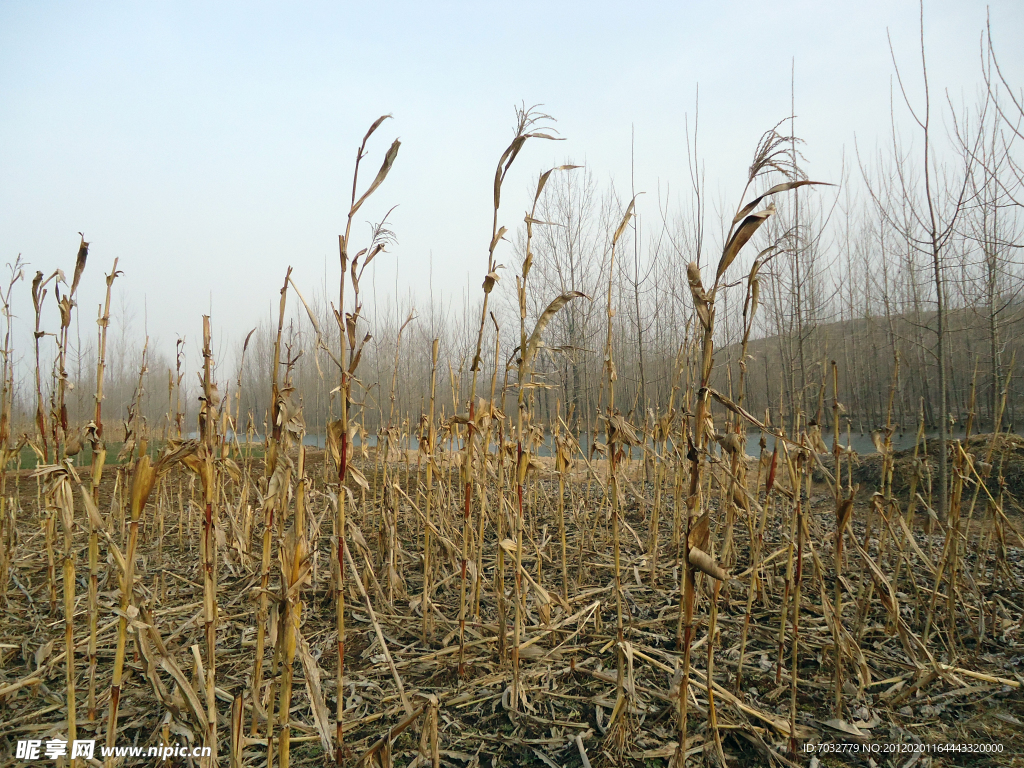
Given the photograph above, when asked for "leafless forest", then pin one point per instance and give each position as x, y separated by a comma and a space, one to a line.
682, 482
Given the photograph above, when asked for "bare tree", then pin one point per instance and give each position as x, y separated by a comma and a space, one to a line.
925, 209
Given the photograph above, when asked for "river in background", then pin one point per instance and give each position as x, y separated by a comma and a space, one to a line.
861, 442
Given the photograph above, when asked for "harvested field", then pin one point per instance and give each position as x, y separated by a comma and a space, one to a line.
892, 691
659, 598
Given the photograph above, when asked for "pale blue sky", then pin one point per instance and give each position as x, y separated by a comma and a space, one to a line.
209, 145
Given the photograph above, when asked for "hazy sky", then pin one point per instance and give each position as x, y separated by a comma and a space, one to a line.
210, 145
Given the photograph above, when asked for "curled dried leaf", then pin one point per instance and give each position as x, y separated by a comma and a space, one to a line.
740, 236
700, 532
359, 478
702, 561
621, 432
389, 160
625, 221
732, 443
497, 238
784, 187
843, 515
693, 278
489, 281
553, 308
83, 253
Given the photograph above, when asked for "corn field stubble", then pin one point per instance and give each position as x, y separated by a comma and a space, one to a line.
568, 656
660, 599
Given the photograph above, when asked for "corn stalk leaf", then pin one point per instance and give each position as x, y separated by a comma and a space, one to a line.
389, 160
83, 253
740, 237
318, 705
544, 180
625, 220
784, 187
376, 124
534, 341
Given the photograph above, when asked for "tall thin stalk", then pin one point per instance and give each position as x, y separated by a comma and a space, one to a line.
272, 501
431, 438
99, 455
615, 430
208, 475
770, 155
8, 452
527, 127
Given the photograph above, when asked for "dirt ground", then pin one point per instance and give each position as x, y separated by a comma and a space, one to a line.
964, 689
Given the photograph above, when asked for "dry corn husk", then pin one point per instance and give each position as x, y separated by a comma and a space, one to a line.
705, 563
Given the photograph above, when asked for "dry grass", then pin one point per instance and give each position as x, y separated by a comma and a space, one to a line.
568, 661
662, 599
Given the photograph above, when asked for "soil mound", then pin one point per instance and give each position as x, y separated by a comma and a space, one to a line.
998, 459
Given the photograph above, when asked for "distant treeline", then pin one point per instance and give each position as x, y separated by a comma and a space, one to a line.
890, 267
